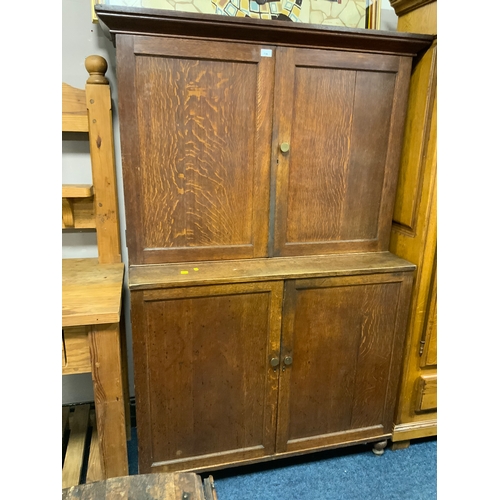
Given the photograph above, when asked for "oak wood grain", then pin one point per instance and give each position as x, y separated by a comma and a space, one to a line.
246, 173
216, 343
342, 115
322, 443
342, 334
201, 182
252, 270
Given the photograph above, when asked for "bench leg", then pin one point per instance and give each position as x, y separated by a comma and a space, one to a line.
107, 376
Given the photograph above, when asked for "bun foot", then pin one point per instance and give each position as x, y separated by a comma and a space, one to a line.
379, 448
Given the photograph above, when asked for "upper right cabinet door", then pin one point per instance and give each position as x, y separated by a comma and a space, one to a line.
338, 124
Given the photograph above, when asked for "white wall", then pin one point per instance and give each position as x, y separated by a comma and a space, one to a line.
388, 18
81, 38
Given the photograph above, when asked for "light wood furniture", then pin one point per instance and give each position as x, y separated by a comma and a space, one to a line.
93, 337
414, 233
260, 165
78, 453
175, 486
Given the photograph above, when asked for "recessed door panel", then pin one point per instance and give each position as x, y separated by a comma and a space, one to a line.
210, 388
336, 114
196, 165
345, 336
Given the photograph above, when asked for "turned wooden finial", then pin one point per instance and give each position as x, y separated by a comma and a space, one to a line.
96, 67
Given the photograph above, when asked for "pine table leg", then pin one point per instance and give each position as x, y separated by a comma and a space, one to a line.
107, 376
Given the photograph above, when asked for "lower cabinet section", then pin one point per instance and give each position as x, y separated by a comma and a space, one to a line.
237, 373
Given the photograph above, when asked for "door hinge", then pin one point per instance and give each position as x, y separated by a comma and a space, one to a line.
421, 350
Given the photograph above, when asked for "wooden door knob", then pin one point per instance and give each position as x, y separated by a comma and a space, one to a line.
285, 147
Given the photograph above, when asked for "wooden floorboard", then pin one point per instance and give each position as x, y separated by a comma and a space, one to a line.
80, 446
65, 419
73, 460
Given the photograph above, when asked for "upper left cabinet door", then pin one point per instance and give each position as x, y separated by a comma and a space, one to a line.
195, 127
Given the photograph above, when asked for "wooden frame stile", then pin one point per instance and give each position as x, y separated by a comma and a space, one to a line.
141, 370
130, 148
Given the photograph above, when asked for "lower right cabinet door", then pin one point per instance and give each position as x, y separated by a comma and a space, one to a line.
341, 353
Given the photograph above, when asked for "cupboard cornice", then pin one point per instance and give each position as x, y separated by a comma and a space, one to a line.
133, 21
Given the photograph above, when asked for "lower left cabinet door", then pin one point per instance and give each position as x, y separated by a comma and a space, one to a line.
206, 392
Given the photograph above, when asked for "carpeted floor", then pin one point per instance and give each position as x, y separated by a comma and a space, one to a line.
343, 474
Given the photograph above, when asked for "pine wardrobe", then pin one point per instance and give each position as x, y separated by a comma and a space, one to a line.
260, 161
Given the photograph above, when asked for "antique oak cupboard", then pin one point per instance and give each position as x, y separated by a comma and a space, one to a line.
260, 165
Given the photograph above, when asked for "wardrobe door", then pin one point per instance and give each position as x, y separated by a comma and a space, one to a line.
206, 388
342, 345
195, 136
338, 119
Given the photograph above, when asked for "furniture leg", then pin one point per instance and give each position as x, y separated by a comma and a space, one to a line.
104, 342
400, 445
378, 448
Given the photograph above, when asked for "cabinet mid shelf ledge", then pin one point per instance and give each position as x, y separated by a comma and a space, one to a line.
251, 270
132, 21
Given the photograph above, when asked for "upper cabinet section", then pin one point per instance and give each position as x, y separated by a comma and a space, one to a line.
244, 138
